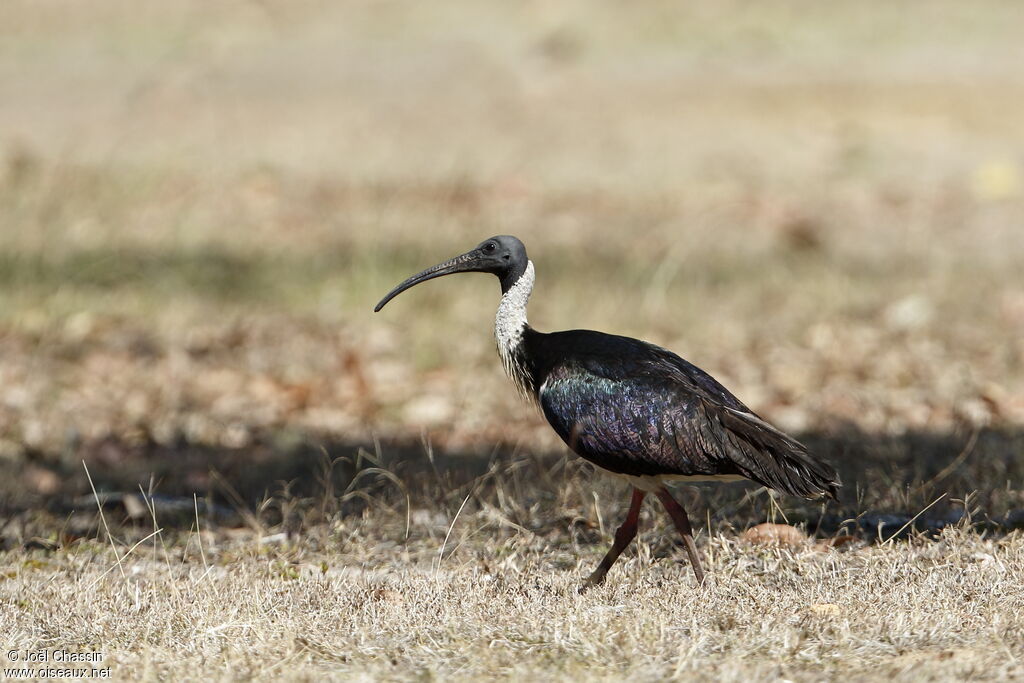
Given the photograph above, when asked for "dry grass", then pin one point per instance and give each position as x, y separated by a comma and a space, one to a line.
362, 600
199, 207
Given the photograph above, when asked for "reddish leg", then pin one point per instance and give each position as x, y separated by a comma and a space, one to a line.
682, 522
623, 537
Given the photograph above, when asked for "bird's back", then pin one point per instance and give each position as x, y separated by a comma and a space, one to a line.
635, 408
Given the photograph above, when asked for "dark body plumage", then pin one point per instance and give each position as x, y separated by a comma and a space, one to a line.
632, 408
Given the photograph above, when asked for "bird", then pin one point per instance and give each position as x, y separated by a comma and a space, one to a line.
633, 409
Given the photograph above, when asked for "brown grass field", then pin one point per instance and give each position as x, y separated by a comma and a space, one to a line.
200, 203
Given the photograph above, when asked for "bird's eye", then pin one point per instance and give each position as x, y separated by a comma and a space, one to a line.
490, 247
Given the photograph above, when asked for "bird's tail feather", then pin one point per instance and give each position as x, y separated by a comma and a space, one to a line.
790, 468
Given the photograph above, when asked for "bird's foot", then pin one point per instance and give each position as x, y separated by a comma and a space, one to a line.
595, 579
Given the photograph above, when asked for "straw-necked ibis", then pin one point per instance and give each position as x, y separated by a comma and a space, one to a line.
632, 408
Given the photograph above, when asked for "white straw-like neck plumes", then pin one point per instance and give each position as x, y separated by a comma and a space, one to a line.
510, 322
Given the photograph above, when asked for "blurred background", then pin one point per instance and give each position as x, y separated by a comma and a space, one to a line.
200, 203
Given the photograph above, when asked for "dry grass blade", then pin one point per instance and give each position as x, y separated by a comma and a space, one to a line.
956, 462
199, 534
103, 519
239, 504
444, 544
393, 478
130, 550
913, 519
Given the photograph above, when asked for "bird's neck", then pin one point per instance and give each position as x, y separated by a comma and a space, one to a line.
510, 323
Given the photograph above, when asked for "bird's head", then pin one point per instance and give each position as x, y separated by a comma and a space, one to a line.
503, 256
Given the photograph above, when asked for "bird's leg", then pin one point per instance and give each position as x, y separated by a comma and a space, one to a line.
623, 537
682, 522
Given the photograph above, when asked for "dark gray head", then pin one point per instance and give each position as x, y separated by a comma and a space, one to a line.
503, 256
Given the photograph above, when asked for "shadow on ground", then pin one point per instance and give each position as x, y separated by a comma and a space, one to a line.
915, 481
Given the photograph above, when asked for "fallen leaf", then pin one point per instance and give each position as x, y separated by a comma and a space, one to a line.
836, 542
42, 480
825, 609
774, 534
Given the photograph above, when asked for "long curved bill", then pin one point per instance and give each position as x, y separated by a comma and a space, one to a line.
467, 262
